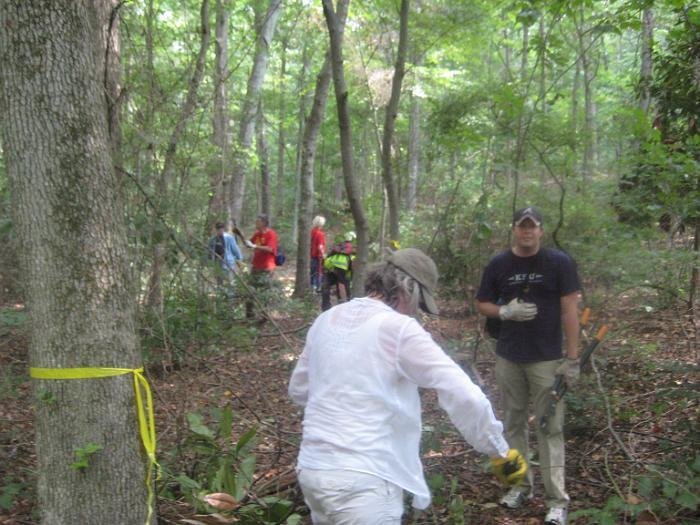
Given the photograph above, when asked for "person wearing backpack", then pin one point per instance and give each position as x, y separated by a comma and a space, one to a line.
264, 245
337, 271
534, 292
225, 251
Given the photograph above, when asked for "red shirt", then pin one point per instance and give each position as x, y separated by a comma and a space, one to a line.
318, 242
263, 260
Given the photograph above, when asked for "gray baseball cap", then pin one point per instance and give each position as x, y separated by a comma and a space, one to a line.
527, 213
421, 268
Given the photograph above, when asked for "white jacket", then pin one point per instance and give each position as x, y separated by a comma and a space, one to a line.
358, 380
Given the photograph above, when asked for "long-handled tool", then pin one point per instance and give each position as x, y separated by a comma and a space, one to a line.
559, 387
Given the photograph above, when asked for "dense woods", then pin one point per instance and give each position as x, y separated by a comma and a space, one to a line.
130, 128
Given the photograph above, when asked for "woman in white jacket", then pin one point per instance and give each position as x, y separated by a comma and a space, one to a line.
358, 380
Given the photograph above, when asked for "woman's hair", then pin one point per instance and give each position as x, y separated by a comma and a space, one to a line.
318, 221
393, 284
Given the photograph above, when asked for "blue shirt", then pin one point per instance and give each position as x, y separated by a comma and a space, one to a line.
232, 252
543, 279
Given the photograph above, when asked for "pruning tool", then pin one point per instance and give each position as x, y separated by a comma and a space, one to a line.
236, 230
559, 387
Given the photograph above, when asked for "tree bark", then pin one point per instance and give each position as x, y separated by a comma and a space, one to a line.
67, 208
281, 131
303, 101
543, 64
222, 134
264, 162
645, 76
414, 145
306, 180
109, 68
336, 26
574, 105
266, 29
588, 69
392, 109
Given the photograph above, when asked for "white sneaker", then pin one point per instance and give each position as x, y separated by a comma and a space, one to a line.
555, 516
515, 498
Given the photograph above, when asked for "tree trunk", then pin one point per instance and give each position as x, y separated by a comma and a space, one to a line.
67, 209
414, 145
645, 75
336, 27
306, 180
222, 135
588, 71
109, 68
281, 132
574, 106
303, 101
543, 64
392, 109
155, 290
264, 162
266, 23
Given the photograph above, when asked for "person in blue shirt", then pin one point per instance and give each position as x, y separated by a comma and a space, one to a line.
225, 251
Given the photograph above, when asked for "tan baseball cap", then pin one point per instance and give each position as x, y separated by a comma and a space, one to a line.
422, 268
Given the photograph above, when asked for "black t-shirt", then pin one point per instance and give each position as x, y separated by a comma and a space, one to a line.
541, 279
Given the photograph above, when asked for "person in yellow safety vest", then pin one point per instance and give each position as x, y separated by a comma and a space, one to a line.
337, 271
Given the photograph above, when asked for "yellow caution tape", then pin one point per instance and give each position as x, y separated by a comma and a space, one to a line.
147, 427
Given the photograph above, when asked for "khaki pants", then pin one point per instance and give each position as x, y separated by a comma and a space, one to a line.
520, 385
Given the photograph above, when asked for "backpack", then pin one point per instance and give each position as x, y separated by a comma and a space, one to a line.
280, 258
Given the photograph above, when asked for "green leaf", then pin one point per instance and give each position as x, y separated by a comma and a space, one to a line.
244, 477
187, 483
645, 487
197, 425
687, 499
696, 463
245, 440
226, 423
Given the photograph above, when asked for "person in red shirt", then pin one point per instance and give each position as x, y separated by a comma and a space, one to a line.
264, 246
318, 250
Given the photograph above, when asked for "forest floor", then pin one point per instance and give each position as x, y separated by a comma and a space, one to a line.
634, 416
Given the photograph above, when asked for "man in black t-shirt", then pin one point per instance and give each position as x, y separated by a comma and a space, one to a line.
534, 291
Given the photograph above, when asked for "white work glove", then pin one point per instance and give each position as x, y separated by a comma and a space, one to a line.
517, 311
570, 369
249, 244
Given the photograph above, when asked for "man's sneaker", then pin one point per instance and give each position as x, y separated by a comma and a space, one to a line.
555, 516
515, 498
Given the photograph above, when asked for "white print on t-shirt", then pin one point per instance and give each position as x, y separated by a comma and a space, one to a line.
534, 278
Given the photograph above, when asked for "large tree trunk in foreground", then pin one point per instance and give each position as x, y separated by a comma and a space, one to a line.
68, 215
336, 27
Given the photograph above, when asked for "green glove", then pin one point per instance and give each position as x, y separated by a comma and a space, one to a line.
511, 469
